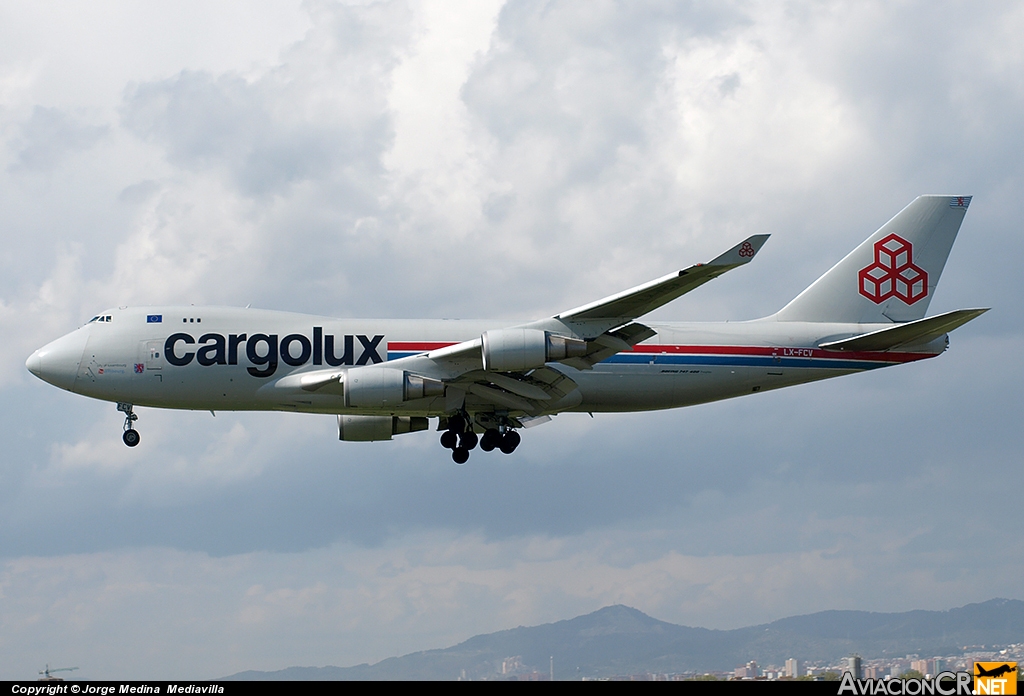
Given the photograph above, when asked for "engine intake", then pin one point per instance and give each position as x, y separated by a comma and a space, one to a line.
374, 428
514, 350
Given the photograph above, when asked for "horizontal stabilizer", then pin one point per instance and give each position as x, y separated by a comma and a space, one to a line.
915, 332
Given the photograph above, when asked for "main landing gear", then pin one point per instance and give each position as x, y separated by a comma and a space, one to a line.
131, 435
460, 438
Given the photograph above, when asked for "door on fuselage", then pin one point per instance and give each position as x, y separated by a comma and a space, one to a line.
151, 361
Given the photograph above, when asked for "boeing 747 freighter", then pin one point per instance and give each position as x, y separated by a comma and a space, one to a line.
483, 381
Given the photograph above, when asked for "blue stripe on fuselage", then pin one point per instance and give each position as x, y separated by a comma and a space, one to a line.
721, 360
742, 361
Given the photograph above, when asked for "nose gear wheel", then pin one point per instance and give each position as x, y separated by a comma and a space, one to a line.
130, 436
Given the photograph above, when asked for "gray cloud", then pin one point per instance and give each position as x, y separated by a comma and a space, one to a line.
49, 136
320, 115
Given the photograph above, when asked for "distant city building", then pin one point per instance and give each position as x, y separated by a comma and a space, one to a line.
920, 665
853, 666
511, 665
793, 668
749, 671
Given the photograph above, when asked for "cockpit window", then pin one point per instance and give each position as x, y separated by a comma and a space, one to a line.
102, 317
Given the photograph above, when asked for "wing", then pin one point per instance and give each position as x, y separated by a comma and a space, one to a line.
608, 323
607, 326
599, 329
534, 393
623, 307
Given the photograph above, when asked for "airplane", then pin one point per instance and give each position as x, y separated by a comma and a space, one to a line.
995, 671
483, 382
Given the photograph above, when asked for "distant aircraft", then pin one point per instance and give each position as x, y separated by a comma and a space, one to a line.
994, 672
484, 381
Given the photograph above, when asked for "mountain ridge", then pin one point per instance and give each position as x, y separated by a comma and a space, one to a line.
618, 639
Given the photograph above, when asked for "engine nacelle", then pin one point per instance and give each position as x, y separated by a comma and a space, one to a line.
373, 386
373, 428
514, 350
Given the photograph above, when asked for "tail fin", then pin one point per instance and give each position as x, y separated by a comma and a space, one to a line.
893, 274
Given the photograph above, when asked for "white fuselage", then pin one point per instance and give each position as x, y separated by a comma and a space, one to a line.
218, 358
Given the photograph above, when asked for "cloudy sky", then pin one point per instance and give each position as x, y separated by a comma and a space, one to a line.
503, 159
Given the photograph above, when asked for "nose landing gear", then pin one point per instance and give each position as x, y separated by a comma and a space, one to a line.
131, 435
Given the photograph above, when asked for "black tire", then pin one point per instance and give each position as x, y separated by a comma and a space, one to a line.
456, 424
448, 439
510, 441
490, 440
131, 437
469, 440
460, 455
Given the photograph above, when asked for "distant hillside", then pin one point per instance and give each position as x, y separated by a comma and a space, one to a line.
621, 640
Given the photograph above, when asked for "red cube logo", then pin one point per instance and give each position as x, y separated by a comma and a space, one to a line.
893, 273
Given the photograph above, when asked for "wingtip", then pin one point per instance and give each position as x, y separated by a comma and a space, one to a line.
744, 252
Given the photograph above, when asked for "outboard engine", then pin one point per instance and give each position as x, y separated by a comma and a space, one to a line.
515, 350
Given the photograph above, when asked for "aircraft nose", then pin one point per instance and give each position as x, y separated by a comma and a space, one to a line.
58, 362
35, 364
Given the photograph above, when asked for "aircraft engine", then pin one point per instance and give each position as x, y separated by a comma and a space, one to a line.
371, 428
373, 386
512, 350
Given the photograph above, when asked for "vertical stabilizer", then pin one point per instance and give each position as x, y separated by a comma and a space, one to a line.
893, 274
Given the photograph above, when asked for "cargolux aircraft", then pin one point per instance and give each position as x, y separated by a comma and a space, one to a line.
483, 382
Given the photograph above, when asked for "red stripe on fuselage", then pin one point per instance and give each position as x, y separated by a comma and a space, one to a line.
782, 352
418, 345
769, 351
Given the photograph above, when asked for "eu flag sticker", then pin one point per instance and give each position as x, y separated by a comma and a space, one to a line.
154, 318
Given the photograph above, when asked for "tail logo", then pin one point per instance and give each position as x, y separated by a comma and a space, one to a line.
746, 250
893, 273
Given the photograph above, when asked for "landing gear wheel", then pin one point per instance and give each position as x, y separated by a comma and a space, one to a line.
449, 440
509, 441
469, 440
456, 424
131, 437
460, 455
490, 440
